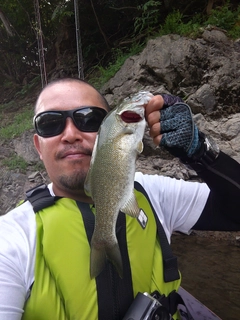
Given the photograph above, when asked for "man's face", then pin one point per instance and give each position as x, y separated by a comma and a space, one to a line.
67, 156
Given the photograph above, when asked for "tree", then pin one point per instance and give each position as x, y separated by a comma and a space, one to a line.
6, 23
106, 25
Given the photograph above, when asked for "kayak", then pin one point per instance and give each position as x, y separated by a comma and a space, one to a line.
194, 309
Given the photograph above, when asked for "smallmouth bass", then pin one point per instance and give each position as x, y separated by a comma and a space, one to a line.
110, 179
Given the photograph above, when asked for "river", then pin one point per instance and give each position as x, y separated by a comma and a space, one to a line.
211, 272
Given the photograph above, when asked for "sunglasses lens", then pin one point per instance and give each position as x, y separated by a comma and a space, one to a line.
49, 124
52, 123
89, 119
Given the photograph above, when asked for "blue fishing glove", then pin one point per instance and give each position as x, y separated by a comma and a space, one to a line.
180, 135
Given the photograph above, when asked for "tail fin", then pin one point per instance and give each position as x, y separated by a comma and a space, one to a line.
114, 255
98, 259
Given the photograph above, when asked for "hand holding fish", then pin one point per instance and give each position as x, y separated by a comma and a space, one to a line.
172, 126
112, 166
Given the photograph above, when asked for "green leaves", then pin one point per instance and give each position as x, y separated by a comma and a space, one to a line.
18, 125
149, 16
105, 26
226, 19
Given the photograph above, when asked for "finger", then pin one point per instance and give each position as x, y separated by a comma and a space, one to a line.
169, 112
171, 140
155, 137
169, 125
154, 131
180, 124
156, 103
157, 140
153, 118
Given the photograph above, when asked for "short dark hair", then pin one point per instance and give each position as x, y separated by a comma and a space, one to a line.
103, 100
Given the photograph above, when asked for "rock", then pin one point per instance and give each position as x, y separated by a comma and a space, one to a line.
24, 147
202, 98
205, 72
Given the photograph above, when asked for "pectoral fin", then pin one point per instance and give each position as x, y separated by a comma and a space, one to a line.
131, 207
140, 147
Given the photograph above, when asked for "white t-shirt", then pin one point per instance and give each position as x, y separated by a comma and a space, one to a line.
178, 204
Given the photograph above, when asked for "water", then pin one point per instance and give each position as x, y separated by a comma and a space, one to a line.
211, 272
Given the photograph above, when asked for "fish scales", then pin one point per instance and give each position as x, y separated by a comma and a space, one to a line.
110, 180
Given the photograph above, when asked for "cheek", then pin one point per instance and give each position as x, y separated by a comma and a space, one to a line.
91, 138
46, 150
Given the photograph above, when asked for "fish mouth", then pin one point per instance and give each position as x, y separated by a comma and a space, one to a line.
131, 117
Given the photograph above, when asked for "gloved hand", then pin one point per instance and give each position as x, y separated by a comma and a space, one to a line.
179, 132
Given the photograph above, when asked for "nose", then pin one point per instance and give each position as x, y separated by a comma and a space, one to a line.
71, 133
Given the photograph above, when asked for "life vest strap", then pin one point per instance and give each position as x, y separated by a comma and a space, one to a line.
170, 264
40, 197
112, 290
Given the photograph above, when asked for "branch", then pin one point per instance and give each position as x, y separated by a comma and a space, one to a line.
140, 36
29, 19
123, 8
6, 23
99, 26
209, 6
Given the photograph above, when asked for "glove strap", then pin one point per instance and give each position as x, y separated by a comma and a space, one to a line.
206, 154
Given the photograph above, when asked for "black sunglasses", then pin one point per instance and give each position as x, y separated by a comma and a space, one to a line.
52, 123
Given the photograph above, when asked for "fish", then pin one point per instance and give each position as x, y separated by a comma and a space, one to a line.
110, 178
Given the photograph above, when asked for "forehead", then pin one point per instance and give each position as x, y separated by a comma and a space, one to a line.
67, 96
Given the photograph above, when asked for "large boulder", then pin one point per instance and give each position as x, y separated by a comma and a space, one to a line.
204, 72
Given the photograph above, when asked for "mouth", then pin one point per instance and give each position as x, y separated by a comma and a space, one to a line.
74, 154
130, 117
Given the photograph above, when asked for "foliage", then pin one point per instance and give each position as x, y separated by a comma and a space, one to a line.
149, 18
39, 166
119, 57
223, 18
174, 23
21, 122
27, 87
15, 162
61, 11
108, 28
226, 19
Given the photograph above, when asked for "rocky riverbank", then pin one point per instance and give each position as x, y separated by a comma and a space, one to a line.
205, 72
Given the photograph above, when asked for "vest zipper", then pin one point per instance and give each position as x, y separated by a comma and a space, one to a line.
115, 296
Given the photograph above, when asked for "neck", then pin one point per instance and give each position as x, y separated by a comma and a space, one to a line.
78, 195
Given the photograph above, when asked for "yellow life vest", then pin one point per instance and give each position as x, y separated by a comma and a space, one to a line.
63, 289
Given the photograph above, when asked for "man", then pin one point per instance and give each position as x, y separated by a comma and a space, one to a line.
45, 256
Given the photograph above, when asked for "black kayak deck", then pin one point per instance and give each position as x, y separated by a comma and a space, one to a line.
197, 310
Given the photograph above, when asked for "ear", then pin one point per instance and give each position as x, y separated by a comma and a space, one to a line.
37, 145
